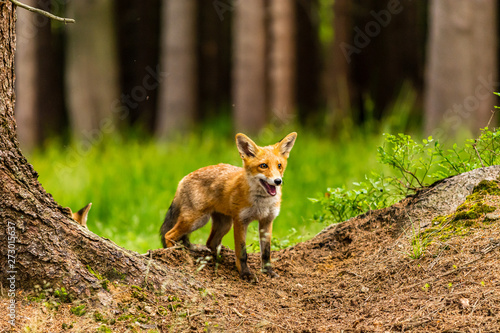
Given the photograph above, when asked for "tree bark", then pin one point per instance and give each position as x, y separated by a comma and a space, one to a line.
282, 60
249, 67
461, 66
40, 242
92, 85
178, 92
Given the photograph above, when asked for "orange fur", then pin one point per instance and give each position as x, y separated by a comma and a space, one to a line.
81, 216
232, 196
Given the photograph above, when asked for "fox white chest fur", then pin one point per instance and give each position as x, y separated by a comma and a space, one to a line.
263, 206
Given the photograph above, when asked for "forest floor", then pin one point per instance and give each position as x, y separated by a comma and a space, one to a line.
383, 271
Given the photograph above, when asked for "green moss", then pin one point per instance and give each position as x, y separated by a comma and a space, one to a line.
465, 216
78, 310
467, 212
104, 329
99, 317
63, 295
125, 317
113, 275
94, 273
487, 187
141, 296
65, 326
105, 284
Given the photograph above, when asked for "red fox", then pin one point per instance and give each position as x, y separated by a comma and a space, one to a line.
232, 196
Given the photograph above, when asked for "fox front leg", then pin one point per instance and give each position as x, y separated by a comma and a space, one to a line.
240, 233
265, 233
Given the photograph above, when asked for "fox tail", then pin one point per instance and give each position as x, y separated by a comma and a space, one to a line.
169, 222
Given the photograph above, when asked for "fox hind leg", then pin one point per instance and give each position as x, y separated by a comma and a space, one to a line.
221, 224
177, 227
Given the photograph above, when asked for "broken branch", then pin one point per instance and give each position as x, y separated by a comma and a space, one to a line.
42, 12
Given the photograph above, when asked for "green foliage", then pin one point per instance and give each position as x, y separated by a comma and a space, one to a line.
410, 159
415, 164
418, 243
340, 204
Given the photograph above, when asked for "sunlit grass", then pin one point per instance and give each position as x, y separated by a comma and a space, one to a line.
131, 182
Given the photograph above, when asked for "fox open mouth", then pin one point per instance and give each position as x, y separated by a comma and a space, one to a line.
271, 189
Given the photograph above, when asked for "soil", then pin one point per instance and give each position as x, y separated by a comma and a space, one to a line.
364, 275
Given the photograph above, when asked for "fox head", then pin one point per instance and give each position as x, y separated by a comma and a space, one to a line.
265, 165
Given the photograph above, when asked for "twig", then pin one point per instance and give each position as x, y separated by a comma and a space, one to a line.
42, 12
491, 118
478, 155
238, 313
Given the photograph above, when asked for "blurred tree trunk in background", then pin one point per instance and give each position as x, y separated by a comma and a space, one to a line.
282, 60
178, 92
214, 49
338, 85
388, 37
92, 77
308, 88
249, 66
39, 111
27, 77
138, 44
461, 66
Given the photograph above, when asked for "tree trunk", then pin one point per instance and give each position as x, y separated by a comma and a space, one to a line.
39, 239
249, 67
178, 92
282, 60
92, 85
461, 66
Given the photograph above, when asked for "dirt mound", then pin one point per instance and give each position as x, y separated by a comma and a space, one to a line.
429, 263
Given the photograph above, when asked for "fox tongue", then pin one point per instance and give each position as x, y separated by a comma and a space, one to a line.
269, 188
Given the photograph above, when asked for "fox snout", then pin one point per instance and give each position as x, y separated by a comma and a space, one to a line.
270, 184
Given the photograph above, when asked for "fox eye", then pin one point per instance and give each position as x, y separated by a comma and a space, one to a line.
263, 166
279, 165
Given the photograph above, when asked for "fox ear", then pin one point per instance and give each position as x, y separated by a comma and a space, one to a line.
286, 144
81, 215
246, 146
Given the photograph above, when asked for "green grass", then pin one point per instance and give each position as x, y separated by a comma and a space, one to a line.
131, 182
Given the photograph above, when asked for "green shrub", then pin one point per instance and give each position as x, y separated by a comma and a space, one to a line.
416, 165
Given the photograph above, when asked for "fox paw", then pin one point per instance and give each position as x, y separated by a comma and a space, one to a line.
249, 276
270, 272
